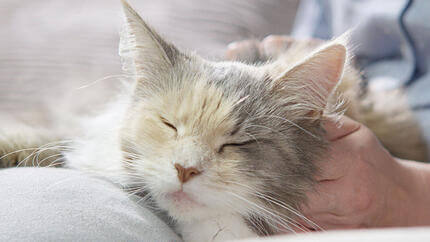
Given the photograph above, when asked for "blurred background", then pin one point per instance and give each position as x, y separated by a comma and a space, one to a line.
62, 55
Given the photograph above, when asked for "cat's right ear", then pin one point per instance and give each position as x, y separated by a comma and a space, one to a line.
310, 83
143, 52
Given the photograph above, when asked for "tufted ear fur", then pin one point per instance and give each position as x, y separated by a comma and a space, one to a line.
312, 81
144, 53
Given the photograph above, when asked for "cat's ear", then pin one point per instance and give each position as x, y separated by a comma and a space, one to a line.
142, 50
313, 80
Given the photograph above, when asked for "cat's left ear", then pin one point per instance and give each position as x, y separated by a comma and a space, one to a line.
311, 82
144, 53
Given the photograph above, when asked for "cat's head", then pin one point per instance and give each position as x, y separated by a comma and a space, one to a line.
213, 137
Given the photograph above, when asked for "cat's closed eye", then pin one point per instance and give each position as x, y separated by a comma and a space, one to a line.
221, 149
168, 124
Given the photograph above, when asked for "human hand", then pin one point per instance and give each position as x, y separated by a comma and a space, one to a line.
360, 185
272, 46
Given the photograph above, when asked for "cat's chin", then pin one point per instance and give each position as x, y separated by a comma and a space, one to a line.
182, 199
182, 206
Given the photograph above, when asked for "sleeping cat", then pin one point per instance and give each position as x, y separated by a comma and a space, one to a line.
226, 148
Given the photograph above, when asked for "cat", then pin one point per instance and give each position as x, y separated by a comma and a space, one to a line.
226, 148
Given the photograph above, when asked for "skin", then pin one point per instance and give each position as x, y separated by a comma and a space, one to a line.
361, 185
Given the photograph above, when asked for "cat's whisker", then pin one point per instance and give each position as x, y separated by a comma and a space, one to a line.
100, 79
251, 210
146, 199
258, 226
292, 210
292, 123
252, 192
36, 154
267, 213
17, 151
132, 156
57, 162
287, 207
37, 151
47, 158
132, 164
270, 220
273, 215
135, 190
233, 206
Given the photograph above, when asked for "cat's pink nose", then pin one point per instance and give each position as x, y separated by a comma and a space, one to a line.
185, 174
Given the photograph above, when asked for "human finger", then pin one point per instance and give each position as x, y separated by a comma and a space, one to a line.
273, 45
336, 130
245, 50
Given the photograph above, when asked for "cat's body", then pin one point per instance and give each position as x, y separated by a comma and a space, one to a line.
226, 148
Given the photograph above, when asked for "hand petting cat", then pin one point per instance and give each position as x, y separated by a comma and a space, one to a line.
360, 185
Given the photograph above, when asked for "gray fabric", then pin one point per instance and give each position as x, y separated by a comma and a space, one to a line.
52, 204
380, 44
